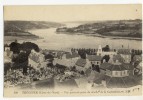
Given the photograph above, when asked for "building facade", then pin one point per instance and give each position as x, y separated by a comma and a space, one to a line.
36, 60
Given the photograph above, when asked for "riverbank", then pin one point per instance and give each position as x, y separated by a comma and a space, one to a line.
102, 36
8, 39
62, 41
114, 37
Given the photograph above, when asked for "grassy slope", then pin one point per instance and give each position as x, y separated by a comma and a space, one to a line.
123, 28
18, 28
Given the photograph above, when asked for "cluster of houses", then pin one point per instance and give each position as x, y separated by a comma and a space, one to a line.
37, 60
120, 68
120, 71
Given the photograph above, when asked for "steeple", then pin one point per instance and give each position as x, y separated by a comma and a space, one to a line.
99, 50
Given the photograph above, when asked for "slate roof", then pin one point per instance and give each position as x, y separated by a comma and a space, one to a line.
82, 80
121, 82
74, 54
64, 62
124, 51
138, 78
117, 68
66, 84
117, 82
59, 54
94, 58
81, 62
71, 55
137, 58
99, 77
112, 67
128, 66
118, 57
68, 55
105, 65
60, 66
95, 76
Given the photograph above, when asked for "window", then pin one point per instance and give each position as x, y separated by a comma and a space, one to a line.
116, 73
124, 72
127, 72
120, 73
97, 62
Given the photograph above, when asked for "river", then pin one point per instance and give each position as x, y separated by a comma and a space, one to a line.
52, 40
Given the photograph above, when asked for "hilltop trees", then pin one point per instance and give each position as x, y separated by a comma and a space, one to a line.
15, 47
28, 46
82, 53
136, 52
106, 48
21, 53
25, 46
106, 58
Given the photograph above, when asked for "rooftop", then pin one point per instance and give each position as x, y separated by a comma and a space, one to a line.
117, 82
81, 62
71, 83
118, 57
59, 54
137, 58
71, 55
112, 67
124, 51
94, 58
60, 66
105, 65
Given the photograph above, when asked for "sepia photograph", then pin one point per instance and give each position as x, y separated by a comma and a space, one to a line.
72, 50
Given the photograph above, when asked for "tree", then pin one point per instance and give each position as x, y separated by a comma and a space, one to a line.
22, 57
15, 47
106, 57
28, 46
106, 48
7, 66
20, 61
49, 56
97, 68
82, 54
73, 68
82, 72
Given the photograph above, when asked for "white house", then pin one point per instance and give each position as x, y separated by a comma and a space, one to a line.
36, 60
102, 53
68, 59
117, 75
82, 65
116, 69
7, 52
94, 59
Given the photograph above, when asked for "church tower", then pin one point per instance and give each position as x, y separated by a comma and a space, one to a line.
99, 51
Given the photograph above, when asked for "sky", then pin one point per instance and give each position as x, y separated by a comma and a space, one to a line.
67, 13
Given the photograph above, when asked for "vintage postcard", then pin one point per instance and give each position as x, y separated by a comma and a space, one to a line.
73, 50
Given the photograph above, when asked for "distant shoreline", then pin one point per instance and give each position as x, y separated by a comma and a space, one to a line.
8, 39
102, 36
115, 37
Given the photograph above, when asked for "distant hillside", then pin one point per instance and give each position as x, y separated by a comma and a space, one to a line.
22, 27
119, 28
